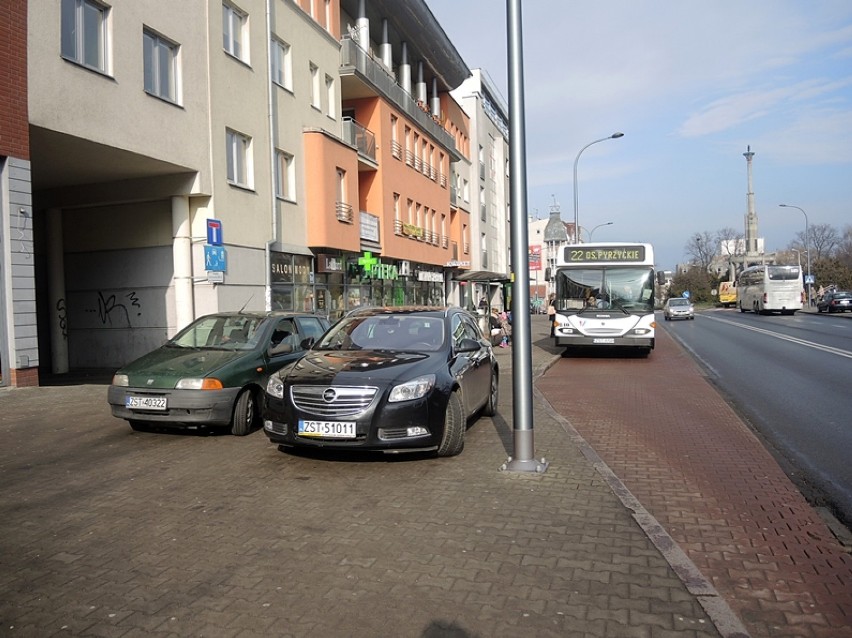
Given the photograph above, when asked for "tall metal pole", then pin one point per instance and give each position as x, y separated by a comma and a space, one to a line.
614, 136
522, 459
807, 248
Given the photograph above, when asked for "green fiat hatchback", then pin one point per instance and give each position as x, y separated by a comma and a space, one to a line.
212, 372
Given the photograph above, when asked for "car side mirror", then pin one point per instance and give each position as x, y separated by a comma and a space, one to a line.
468, 345
281, 348
307, 342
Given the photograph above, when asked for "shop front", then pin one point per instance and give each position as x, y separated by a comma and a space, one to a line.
332, 284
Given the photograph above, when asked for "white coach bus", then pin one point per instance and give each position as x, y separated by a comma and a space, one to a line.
604, 296
764, 289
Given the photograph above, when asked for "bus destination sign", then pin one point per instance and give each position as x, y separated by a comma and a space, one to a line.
616, 254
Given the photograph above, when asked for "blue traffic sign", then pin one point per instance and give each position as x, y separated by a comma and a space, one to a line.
215, 258
214, 232
686, 294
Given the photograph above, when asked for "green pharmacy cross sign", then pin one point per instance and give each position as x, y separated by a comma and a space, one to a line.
376, 269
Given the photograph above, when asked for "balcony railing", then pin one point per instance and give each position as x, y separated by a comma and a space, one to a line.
396, 149
360, 137
354, 60
344, 212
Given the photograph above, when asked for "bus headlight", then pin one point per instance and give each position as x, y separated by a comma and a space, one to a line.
641, 331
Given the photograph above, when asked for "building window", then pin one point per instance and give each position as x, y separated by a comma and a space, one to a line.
316, 98
330, 97
234, 27
161, 66
84, 33
282, 64
238, 150
285, 176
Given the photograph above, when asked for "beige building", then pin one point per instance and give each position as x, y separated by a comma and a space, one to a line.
212, 155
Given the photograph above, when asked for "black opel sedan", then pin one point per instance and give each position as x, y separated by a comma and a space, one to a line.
399, 379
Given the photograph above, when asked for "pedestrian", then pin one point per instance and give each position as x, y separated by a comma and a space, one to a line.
551, 313
505, 329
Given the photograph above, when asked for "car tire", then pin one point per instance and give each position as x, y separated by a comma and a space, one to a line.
490, 408
452, 441
245, 412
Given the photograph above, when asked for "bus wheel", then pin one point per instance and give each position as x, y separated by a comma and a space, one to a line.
741, 306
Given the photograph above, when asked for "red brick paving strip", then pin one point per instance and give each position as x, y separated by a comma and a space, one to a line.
696, 467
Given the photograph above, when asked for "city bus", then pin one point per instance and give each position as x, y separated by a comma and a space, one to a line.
765, 288
604, 296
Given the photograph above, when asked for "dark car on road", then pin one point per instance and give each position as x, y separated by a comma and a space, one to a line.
838, 301
213, 371
386, 379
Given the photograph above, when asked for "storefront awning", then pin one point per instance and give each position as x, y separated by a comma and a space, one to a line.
482, 276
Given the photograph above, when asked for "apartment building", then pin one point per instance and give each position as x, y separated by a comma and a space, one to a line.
488, 190
186, 158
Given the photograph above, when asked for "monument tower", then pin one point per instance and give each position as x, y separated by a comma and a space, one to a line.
751, 217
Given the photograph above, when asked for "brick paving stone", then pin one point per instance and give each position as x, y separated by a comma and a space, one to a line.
106, 531
712, 485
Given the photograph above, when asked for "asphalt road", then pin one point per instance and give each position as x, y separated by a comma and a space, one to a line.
789, 377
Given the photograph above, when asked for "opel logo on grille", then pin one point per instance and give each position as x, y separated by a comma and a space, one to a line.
329, 395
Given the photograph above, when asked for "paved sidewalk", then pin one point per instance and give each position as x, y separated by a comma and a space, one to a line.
109, 532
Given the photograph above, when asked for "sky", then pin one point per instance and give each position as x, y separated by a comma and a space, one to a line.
691, 84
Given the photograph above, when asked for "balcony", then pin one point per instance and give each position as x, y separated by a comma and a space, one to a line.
362, 76
360, 137
344, 212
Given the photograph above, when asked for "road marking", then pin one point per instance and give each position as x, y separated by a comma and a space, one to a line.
801, 342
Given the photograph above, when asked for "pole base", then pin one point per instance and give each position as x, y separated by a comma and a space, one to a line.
517, 465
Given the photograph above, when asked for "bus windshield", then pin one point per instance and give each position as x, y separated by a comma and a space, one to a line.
628, 289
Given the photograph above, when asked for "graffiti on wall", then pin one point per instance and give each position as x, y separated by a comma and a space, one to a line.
63, 317
113, 312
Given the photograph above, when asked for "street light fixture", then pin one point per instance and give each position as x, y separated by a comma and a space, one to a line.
614, 136
807, 248
591, 232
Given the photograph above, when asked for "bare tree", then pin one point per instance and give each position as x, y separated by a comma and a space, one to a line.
824, 240
701, 248
731, 242
844, 247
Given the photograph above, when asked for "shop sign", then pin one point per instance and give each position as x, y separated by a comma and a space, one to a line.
286, 268
428, 275
376, 269
455, 263
410, 230
369, 227
330, 263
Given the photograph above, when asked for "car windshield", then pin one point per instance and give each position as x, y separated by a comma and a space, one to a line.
842, 295
678, 302
410, 332
627, 289
228, 332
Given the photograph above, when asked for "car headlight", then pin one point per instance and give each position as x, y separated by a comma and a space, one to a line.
414, 389
203, 383
275, 387
121, 379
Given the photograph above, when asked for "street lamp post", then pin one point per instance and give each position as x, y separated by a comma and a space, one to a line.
614, 136
807, 248
591, 232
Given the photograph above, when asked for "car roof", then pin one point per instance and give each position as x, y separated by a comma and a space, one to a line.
260, 314
404, 310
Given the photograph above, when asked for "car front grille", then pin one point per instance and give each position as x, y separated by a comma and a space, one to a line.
333, 402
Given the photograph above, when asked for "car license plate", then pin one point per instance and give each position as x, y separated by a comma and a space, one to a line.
603, 340
328, 429
146, 403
